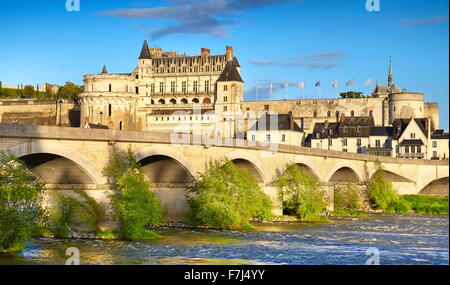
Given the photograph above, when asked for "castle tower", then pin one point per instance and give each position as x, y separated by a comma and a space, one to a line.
229, 97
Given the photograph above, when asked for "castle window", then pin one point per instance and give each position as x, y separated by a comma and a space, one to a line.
328, 114
225, 108
225, 99
266, 107
195, 86
358, 129
184, 101
207, 86
184, 87
173, 69
137, 76
195, 101
162, 101
315, 114
110, 88
206, 101
92, 87
152, 88
172, 86
337, 115
371, 113
173, 101
225, 88
161, 87
120, 125
109, 110
352, 113
195, 68
137, 90
207, 68
152, 102
184, 69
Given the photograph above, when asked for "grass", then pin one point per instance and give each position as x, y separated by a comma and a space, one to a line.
348, 213
428, 204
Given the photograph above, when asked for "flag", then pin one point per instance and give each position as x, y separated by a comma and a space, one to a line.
285, 85
318, 83
335, 84
350, 82
368, 82
301, 84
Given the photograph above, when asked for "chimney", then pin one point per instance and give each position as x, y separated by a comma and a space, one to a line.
291, 121
205, 52
229, 53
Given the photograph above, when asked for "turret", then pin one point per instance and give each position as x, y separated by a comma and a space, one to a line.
390, 75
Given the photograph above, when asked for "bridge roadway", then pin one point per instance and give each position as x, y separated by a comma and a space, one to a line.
74, 158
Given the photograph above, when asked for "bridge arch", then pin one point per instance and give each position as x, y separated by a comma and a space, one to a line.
438, 187
304, 164
165, 165
245, 160
392, 175
344, 172
55, 150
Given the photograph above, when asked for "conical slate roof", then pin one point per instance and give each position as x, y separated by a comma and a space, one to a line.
104, 71
230, 72
145, 52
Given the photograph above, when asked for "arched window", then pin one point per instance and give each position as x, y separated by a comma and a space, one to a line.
184, 101
352, 113
195, 68
328, 114
206, 101
173, 101
371, 113
195, 101
173, 69
337, 115
162, 101
152, 102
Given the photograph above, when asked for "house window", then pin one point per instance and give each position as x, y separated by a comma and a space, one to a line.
406, 149
283, 138
358, 129
330, 142
413, 135
358, 142
345, 150
419, 149
434, 144
253, 137
413, 149
225, 88
268, 137
377, 143
344, 142
345, 129
435, 154
225, 108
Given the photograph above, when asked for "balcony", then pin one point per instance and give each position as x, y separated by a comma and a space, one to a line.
180, 106
411, 155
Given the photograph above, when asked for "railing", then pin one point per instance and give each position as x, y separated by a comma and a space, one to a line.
411, 155
189, 105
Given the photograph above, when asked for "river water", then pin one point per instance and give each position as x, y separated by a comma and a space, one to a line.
399, 239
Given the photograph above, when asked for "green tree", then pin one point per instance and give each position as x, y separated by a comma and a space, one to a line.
301, 193
227, 197
69, 90
352, 94
28, 91
135, 205
20, 207
347, 197
1, 89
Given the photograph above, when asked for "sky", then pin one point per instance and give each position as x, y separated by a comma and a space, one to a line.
274, 40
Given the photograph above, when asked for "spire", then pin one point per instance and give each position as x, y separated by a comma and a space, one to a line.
145, 52
390, 76
104, 71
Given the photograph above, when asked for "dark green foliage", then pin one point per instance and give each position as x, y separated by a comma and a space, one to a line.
301, 193
227, 197
28, 91
428, 205
69, 90
20, 210
383, 196
135, 205
347, 197
352, 94
80, 213
349, 213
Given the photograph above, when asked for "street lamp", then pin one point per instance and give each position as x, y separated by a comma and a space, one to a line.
101, 118
60, 103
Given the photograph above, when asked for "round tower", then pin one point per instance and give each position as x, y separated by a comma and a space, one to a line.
404, 105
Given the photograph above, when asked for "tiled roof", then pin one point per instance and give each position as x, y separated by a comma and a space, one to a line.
145, 52
399, 126
411, 142
283, 123
230, 72
440, 134
381, 131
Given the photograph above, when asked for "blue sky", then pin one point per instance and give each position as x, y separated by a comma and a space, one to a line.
275, 41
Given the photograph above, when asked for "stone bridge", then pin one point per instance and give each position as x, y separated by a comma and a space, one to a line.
74, 158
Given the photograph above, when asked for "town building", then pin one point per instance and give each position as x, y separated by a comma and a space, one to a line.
276, 128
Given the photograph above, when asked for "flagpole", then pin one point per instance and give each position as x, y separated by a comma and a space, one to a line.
256, 91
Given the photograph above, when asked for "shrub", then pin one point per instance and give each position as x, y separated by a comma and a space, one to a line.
428, 205
20, 210
347, 197
301, 194
383, 196
226, 196
135, 205
74, 214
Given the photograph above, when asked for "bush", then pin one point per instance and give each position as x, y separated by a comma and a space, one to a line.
226, 196
135, 205
383, 196
428, 205
74, 214
20, 210
301, 194
347, 197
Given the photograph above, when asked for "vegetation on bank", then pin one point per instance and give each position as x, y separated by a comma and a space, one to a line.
134, 204
68, 91
20, 204
427, 205
348, 200
227, 197
302, 194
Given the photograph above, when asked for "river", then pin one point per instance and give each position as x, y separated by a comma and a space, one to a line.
399, 239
